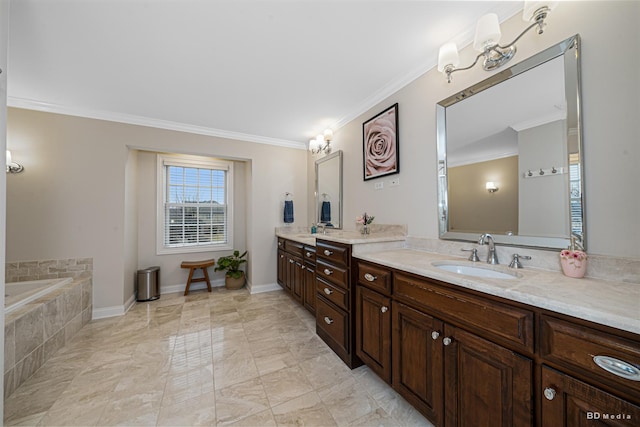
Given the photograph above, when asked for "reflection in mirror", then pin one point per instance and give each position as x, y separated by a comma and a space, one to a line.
509, 154
329, 190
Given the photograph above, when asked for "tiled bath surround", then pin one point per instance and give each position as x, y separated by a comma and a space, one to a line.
22, 271
36, 331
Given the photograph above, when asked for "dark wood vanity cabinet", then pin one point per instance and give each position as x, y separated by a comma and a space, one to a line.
335, 299
296, 267
373, 319
465, 358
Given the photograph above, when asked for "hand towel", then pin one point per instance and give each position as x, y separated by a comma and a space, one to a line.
288, 211
325, 212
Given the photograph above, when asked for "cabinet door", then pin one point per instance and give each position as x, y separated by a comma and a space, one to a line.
309, 286
569, 402
417, 360
373, 331
486, 384
295, 277
282, 268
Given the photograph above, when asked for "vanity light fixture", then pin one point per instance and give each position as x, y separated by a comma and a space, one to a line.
13, 167
487, 38
321, 143
491, 187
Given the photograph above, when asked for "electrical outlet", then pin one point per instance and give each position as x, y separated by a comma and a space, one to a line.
394, 182
378, 185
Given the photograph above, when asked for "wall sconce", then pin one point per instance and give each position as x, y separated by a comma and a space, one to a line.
491, 187
487, 38
321, 142
13, 167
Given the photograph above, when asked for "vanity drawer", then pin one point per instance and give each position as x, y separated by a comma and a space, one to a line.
309, 254
293, 247
498, 321
333, 326
334, 253
335, 294
574, 347
337, 275
374, 277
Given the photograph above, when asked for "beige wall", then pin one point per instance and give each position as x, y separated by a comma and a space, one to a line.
77, 194
610, 102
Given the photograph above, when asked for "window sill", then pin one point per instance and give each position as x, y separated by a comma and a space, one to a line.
193, 249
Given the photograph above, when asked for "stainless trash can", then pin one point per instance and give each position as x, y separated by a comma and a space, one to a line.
148, 284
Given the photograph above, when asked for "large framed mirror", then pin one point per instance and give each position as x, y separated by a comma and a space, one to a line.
510, 158
329, 190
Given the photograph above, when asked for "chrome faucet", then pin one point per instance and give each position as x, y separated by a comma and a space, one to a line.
492, 256
323, 227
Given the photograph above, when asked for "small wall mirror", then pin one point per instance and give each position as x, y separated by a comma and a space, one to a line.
329, 190
509, 154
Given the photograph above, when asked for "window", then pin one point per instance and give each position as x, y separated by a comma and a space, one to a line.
194, 204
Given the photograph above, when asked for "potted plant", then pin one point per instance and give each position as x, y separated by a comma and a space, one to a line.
234, 278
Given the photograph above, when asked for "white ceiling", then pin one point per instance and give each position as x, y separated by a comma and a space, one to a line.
261, 70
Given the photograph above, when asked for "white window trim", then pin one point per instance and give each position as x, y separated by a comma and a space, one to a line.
190, 161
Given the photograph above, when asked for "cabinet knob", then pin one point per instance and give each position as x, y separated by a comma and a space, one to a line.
384, 309
279, 243
327, 252
328, 291
435, 335
328, 320
370, 277
327, 272
303, 267
447, 341
281, 256
291, 261
549, 393
308, 254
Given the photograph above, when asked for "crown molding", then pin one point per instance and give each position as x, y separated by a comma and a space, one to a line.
505, 11
131, 119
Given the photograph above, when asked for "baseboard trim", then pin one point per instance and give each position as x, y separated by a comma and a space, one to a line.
265, 287
172, 289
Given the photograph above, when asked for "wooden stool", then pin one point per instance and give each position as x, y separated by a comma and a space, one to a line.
193, 266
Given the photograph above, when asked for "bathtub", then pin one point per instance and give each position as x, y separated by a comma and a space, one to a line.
19, 294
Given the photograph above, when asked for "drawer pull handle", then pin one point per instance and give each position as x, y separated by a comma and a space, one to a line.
447, 341
435, 335
549, 393
328, 272
327, 252
328, 320
384, 309
328, 291
370, 277
618, 367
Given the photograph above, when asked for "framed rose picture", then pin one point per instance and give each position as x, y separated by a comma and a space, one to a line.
381, 144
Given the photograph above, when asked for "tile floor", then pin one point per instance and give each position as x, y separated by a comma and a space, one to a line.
220, 358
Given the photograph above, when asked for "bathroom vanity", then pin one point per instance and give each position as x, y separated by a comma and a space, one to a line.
460, 348
532, 347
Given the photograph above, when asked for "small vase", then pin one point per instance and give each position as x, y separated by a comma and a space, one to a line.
573, 268
365, 229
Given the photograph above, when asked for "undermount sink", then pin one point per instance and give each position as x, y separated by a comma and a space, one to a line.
474, 270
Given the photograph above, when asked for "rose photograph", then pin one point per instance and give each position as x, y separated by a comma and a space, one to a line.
380, 144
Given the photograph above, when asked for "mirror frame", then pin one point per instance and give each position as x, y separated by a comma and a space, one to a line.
570, 50
319, 162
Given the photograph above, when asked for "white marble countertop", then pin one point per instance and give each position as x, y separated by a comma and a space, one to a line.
610, 303
340, 236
